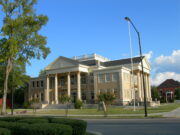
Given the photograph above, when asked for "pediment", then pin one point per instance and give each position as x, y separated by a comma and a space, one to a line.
62, 62
146, 64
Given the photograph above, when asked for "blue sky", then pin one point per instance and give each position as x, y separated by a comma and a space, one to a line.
78, 27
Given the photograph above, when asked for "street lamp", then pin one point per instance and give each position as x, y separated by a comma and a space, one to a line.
141, 57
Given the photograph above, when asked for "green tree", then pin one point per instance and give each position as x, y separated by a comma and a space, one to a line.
108, 98
20, 38
177, 93
155, 93
65, 100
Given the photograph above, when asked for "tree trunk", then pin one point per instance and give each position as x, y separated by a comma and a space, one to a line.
8, 70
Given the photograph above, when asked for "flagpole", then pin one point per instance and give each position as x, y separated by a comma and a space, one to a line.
132, 68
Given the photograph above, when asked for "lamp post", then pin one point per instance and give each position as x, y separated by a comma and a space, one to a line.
141, 57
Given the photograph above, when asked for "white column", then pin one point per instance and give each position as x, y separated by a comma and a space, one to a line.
147, 88
46, 95
96, 93
121, 83
149, 85
56, 89
142, 85
79, 85
69, 85
139, 86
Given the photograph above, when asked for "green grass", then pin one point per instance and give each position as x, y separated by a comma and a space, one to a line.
112, 110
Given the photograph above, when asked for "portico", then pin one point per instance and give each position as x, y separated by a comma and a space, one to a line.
68, 83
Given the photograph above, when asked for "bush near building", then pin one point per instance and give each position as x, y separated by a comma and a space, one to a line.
78, 104
43, 126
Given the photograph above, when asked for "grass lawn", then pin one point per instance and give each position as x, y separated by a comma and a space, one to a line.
112, 110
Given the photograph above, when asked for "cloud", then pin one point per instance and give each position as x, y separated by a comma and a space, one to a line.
168, 63
160, 77
166, 67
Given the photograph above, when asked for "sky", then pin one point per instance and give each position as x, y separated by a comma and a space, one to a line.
78, 27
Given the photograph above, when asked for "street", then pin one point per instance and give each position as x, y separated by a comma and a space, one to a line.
165, 126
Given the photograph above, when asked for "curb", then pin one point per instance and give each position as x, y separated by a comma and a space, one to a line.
94, 132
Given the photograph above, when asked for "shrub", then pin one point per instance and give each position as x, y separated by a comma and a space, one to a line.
27, 105
33, 120
10, 119
78, 126
4, 131
48, 129
78, 104
36, 129
14, 127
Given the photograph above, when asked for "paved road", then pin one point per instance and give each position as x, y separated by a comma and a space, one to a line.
135, 126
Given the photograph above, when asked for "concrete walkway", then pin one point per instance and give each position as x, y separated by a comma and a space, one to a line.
175, 113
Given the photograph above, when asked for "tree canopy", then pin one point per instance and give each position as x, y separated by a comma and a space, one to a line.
20, 39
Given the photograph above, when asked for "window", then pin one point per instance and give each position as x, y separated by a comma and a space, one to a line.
33, 84
115, 92
42, 84
108, 79
73, 80
101, 78
51, 82
37, 83
83, 96
92, 95
114, 77
62, 81
83, 79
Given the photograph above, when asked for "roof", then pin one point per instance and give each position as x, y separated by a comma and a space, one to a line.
122, 61
89, 62
169, 83
95, 62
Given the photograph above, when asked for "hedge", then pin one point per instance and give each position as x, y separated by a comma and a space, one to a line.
10, 119
78, 126
4, 131
36, 129
14, 127
33, 121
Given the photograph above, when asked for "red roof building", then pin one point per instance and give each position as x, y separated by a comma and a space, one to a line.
167, 88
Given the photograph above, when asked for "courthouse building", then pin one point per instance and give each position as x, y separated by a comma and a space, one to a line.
85, 77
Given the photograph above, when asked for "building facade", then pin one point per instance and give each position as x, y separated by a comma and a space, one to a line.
85, 77
167, 89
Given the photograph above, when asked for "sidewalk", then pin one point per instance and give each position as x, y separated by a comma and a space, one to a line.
175, 113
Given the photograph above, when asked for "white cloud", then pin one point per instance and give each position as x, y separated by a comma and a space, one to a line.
168, 63
160, 77
166, 67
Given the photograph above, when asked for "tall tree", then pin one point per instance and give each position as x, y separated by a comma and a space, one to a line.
20, 38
